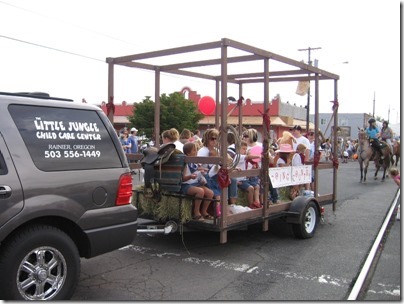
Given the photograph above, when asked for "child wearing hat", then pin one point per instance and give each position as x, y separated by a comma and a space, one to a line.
247, 184
287, 156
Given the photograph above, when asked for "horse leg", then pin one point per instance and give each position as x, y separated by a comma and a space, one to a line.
361, 169
386, 166
377, 169
365, 171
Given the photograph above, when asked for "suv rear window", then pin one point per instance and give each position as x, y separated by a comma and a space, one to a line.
65, 139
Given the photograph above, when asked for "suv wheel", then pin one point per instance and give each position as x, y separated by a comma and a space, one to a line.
39, 263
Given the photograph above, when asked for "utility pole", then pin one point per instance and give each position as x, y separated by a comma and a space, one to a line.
388, 115
374, 103
309, 49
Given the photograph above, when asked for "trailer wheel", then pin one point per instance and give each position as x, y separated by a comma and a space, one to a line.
308, 223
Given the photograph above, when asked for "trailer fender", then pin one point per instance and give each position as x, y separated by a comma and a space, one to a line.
295, 212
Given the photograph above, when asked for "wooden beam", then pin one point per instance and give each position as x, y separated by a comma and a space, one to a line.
167, 52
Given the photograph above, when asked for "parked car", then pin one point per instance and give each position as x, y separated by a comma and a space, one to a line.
65, 193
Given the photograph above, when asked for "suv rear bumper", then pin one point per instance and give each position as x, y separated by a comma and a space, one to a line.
110, 238
116, 228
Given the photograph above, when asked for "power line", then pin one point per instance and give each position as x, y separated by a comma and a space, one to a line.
69, 23
51, 48
82, 28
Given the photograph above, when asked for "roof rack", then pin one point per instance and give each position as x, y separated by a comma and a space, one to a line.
41, 95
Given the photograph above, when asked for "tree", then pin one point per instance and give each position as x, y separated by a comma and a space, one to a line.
143, 116
175, 112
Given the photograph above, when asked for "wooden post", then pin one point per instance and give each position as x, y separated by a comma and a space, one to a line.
110, 98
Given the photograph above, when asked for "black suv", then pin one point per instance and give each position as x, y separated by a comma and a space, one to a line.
65, 193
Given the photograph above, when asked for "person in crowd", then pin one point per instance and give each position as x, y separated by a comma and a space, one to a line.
386, 134
254, 147
345, 154
248, 184
300, 139
289, 157
186, 136
301, 152
231, 145
284, 155
125, 141
197, 135
194, 184
372, 132
327, 149
251, 137
210, 142
340, 147
311, 138
172, 136
395, 174
134, 140
273, 192
197, 138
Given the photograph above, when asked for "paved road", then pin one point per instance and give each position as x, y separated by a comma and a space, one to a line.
387, 274
256, 265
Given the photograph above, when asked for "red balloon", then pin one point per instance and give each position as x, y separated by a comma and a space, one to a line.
207, 105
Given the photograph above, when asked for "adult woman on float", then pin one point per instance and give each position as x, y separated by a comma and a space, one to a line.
210, 142
172, 136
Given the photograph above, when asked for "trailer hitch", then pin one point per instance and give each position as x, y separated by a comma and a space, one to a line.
169, 227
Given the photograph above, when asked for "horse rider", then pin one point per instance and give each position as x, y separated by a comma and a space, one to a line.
386, 133
372, 132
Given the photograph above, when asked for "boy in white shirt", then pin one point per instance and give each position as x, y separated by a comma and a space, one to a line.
300, 139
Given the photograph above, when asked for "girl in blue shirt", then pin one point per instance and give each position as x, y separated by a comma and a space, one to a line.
373, 131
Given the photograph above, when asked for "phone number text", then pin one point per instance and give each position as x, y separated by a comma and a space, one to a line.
72, 154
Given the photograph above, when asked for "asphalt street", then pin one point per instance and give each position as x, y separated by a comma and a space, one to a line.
385, 281
256, 265
388, 268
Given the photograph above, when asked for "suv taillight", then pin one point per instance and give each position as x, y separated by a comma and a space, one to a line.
124, 194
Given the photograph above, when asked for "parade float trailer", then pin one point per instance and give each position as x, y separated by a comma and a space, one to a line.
165, 211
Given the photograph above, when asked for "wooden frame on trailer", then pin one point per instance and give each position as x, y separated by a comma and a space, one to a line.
299, 72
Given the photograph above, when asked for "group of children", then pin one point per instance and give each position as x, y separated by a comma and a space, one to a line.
201, 180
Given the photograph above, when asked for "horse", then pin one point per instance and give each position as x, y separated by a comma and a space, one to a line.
396, 153
366, 154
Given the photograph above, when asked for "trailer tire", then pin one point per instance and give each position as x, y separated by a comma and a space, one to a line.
308, 222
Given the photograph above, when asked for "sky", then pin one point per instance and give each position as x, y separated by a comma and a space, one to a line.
60, 47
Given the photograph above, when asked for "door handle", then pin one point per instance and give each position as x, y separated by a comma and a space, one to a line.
5, 191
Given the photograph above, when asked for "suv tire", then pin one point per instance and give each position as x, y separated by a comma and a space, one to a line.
39, 263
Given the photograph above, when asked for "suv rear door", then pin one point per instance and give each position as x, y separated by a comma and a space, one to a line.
11, 197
